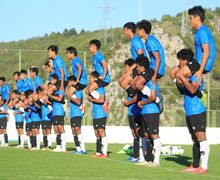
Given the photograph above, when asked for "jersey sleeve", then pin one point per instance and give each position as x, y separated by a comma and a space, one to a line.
204, 38
138, 44
59, 64
152, 46
153, 87
194, 79
100, 57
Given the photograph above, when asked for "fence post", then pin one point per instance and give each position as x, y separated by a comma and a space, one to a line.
19, 63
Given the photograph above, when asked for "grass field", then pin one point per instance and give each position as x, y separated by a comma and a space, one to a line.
24, 164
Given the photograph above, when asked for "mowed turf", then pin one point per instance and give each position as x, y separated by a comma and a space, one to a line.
24, 164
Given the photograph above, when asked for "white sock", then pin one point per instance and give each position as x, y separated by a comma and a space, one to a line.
105, 145
2, 139
50, 140
58, 147
81, 142
95, 94
22, 136
146, 91
29, 142
38, 141
204, 151
157, 150
63, 141
141, 153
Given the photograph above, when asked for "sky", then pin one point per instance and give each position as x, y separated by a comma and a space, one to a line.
22, 19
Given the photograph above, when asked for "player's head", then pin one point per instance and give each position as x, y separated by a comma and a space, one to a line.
71, 52
52, 51
128, 63
34, 71
15, 93
16, 75
71, 80
143, 28
2, 81
47, 66
129, 29
23, 74
94, 46
185, 56
54, 78
142, 64
196, 16
93, 76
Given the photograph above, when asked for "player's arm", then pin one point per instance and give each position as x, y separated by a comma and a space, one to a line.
127, 103
62, 79
206, 52
101, 99
157, 59
105, 69
4, 112
140, 51
56, 98
79, 68
76, 101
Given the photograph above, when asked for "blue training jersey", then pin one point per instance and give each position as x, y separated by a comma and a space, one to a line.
4, 90
46, 114
4, 108
151, 108
74, 108
26, 84
137, 43
58, 64
37, 81
75, 62
18, 85
153, 45
58, 109
35, 113
27, 116
133, 109
97, 109
192, 104
97, 60
204, 36
19, 117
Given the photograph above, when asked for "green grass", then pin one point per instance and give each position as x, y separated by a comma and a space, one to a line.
24, 164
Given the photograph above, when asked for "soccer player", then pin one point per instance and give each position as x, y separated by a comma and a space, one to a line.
204, 45
78, 70
49, 69
99, 118
4, 89
154, 48
19, 118
101, 68
76, 115
3, 123
195, 117
150, 113
16, 77
58, 114
36, 80
26, 83
137, 48
134, 117
58, 66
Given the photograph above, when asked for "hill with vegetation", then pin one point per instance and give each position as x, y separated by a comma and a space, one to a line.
33, 51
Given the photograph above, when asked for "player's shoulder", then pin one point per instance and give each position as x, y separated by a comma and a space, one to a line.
101, 90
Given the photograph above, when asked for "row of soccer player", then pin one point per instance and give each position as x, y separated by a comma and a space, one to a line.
37, 103
139, 80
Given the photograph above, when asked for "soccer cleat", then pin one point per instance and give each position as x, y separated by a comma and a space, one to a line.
103, 156
19, 147
132, 159
43, 149
82, 108
96, 155
105, 106
153, 164
57, 149
190, 169
200, 170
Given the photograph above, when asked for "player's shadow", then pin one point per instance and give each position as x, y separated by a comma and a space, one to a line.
182, 160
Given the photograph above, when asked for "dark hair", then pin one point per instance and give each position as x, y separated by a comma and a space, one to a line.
72, 50
23, 71
145, 25
94, 74
54, 76
47, 63
28, 93
131, 26
187, 54
197, 11
95, 42
16, 72
15, 91
35, 70
129, 62
71, 78
39, 89
53, 48
2, 79
143, 61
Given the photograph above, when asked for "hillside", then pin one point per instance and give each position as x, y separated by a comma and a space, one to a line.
33, 52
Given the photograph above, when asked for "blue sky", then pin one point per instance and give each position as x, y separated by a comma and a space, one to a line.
22, 19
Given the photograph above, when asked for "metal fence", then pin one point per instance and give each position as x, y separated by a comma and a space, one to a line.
12, 60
